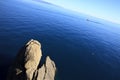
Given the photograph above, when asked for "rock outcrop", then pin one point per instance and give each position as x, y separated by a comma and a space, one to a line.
26, 64
47, 71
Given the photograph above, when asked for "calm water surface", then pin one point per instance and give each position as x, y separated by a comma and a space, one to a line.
81, 49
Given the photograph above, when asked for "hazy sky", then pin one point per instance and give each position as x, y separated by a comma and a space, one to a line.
105, 9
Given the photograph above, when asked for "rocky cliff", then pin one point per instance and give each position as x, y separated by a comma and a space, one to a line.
26, 64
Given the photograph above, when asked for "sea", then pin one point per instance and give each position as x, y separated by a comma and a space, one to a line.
83, 47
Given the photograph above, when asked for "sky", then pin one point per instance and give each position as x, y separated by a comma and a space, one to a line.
104, 9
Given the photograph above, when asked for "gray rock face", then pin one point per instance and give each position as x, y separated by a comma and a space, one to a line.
26, 64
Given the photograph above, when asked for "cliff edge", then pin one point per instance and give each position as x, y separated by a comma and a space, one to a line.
25, 66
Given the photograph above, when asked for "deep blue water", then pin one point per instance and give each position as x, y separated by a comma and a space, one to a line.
81, 49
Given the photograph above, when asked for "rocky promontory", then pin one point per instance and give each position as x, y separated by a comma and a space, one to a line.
25, 66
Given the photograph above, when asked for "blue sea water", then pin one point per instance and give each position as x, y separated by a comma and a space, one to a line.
82, 49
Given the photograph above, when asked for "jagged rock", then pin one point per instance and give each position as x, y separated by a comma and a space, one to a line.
41, 73
50, 69
47, 71
26, 64
32, 58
